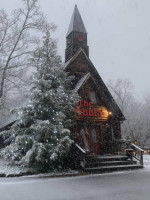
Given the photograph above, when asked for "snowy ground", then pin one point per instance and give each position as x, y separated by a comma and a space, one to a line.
129, 185
125, 185
146, 159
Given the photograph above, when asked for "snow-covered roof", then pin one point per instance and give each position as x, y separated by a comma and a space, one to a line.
80, 83
6, 117
7, 120
66, 64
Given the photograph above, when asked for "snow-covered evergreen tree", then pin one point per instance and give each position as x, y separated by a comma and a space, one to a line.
41, 136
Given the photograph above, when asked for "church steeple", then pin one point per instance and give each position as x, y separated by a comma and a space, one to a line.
76, 23
76, 36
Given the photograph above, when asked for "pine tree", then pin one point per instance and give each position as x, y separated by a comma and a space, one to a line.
41, 135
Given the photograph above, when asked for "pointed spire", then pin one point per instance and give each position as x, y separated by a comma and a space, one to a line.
76, 23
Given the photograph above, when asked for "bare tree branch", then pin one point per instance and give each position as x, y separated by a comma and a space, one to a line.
18, 41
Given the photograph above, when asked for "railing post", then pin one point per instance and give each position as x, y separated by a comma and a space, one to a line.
140, 153
141, 158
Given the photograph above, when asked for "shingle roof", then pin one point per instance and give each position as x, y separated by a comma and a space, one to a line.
80, 82
76, 23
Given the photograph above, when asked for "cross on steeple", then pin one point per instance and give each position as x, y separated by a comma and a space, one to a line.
76, 36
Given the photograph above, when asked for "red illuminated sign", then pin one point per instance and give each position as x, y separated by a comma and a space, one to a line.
88, 110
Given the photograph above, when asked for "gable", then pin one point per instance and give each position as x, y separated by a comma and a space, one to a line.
89, 90
78, 64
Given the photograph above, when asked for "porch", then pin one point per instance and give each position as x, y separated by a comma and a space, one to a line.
129, 156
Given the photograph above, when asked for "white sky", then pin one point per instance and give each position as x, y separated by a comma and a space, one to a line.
118, 35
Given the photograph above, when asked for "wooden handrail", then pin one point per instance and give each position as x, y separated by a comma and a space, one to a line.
82, 155
80, 148
138, 149
126, 145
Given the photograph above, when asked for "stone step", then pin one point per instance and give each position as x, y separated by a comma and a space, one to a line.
110, 163
92, 158
112, 168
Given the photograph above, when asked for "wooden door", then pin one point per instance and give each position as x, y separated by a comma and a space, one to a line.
106, 140
89, 139
97, 140
94, 140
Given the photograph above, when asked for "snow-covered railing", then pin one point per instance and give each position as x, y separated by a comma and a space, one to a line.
137, 153
80, 148
136, 147
82, 155
129, 148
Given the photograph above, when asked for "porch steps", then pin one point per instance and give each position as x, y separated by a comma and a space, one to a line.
99, 164
107, 157
112, 168
110, 163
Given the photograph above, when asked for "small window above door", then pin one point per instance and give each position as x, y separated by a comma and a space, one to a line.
92, 97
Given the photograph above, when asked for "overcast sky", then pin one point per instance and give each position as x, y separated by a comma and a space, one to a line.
118, 35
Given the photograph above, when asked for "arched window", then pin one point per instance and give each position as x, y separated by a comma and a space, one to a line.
94, 135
